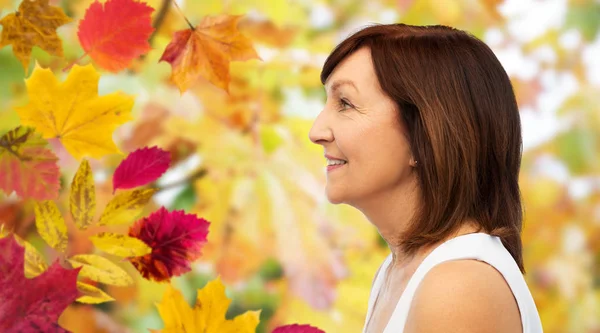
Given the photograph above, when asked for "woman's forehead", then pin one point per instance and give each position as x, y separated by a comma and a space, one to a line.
356, 70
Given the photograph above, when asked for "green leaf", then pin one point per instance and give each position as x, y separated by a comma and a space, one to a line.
185, 199
577, 149
271, 269
270, 138
585, 17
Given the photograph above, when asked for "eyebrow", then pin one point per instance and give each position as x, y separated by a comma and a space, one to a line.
337, 84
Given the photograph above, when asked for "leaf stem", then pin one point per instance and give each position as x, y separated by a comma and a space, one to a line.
74, 62
192, 177
182, 14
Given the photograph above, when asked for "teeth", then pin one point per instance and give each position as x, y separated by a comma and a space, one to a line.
335, 162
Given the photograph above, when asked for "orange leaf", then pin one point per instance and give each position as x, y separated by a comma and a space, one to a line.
34, 24
115, 33
207, 51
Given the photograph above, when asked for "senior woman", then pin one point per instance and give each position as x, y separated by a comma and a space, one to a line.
422, 134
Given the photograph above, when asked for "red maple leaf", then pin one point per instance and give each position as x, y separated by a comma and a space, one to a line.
32, 305
141, 167
295, 328
176, 239
115, 33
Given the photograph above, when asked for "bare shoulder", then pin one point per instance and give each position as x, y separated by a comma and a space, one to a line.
463, 296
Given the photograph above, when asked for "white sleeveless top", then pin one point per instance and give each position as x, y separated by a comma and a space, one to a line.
479, 246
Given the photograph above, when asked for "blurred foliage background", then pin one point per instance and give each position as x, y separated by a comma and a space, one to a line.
244, 161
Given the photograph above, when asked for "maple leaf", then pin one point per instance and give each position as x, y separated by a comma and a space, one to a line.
295, 328
115, 33
73, 112
207, 316
207, 51
34, 24
32, 304
176, 239
141, 167
34, 263
27, 166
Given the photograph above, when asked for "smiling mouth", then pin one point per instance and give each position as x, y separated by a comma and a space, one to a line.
332, 167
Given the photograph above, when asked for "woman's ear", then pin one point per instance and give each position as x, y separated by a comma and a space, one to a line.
413, 163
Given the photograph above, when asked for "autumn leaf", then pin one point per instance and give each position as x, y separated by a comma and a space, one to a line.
51, 225
267, 32
124, 207
27, 166
120, 245
82, 200
208, 315
91, 294
32, 303
176, 239
100, 269
141, 167
116, 32
34, 263
34, 24
206, 51
73, 112
295, 328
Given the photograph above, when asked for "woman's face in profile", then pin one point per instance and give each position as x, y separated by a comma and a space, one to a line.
359, 124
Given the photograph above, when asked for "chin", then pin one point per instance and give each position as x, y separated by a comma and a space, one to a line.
334, 197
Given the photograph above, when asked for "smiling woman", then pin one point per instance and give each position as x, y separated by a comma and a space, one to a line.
422, 134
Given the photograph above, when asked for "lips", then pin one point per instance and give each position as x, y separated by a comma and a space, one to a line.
329, 157
335, 166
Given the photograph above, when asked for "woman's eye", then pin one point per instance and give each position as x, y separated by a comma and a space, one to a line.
343, 103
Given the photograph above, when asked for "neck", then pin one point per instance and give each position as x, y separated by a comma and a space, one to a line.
391, 211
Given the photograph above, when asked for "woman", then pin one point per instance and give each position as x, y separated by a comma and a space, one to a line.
422, 134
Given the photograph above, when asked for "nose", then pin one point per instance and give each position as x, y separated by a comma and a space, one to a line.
320, 132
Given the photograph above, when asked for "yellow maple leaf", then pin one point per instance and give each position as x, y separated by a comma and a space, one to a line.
33, 24
4, 4
207, 51
207, 316
73, 112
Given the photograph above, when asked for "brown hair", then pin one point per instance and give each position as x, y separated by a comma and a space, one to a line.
458, 106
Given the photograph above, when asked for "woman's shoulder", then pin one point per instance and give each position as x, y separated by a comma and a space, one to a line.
462, 295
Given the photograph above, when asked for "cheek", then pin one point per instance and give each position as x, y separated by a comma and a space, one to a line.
385, 154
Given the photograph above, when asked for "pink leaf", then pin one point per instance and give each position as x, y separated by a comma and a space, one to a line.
295, 328
141, 167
